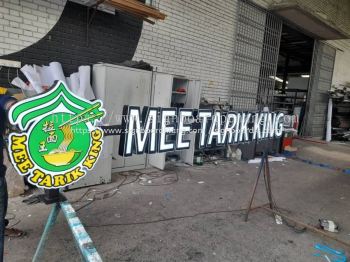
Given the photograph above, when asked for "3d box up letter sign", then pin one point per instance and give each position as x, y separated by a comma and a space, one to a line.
155, 130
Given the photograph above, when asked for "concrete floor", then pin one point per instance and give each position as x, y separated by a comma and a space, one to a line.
303, 191
335, 154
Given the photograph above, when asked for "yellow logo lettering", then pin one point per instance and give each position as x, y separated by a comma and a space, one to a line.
20, 154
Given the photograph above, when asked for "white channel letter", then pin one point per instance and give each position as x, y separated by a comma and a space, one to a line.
205, 115
279, 125
231, 118
270, 125
165, 130
215, 129
257, 125
244, 127
183, 129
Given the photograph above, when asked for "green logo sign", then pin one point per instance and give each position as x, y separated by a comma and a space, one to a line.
59, 142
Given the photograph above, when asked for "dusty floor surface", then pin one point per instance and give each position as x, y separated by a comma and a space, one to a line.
121, 232
335, 154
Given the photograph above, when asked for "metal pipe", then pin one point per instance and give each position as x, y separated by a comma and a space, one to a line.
254, 188
82, 238
55, 209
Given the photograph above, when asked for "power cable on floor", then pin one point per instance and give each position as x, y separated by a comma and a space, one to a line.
93, 194
175, 218
10, 217
98, 195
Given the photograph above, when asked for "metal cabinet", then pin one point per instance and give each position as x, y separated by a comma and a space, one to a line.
117, 86
165, 94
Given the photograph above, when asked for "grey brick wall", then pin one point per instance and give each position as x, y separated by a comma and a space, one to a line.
24, 22
113, 39
196, 40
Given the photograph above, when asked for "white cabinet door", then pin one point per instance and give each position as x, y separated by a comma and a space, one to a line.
162, 89
125, 86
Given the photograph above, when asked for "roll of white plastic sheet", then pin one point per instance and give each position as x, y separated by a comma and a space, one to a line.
57, 71
46, 76
68, 82
85, 89
74, 83
33, 77
19, 83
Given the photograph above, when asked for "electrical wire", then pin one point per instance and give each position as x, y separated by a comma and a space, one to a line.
8, 77
11, 216
167, 178
93, 194
153, 176
99, 194
14, 224
173, 218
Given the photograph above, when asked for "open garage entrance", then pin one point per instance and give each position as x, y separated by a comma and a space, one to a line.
293, 72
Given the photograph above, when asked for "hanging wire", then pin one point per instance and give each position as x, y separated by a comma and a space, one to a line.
8, 77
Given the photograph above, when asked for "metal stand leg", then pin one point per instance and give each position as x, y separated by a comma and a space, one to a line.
254, 188
55, 209
84, 243
268, 182
264, 163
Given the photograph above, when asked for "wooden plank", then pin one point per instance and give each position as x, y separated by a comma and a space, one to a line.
133, 6
134, 13
138, 5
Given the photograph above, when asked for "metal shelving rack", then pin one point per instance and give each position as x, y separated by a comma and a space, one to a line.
292, 100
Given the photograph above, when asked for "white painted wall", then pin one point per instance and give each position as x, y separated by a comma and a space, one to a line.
196, 40
341, 73
24, 22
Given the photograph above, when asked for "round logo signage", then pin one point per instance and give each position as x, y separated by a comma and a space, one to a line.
59, 141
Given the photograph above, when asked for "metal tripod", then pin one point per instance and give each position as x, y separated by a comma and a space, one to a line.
83, 241
263, 167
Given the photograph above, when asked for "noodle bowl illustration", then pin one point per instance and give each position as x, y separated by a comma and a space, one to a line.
62, 156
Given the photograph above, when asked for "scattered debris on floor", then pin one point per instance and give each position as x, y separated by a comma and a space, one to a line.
328, 225
278, 219
232, 153
271, 159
